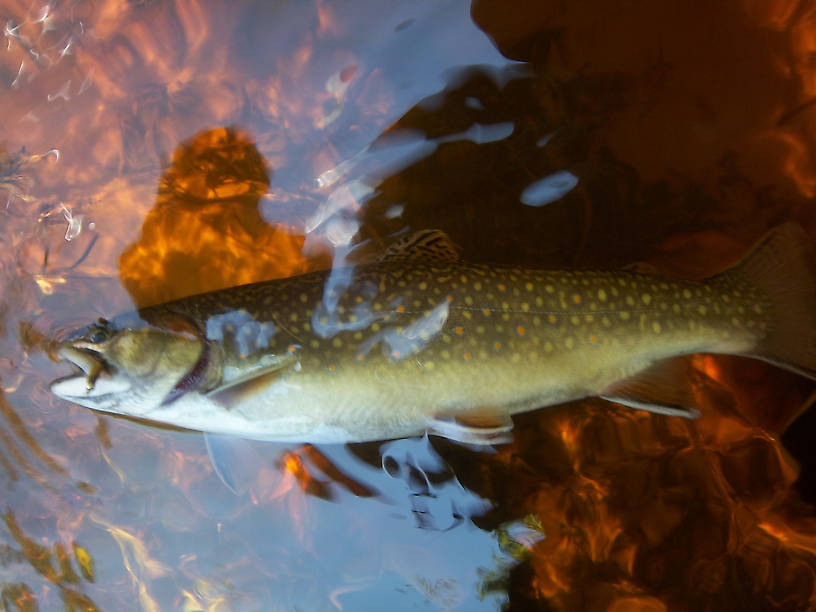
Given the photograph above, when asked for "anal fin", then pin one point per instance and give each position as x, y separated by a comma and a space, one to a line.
662, 388
478, 427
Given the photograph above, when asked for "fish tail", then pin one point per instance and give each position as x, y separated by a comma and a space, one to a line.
782, 265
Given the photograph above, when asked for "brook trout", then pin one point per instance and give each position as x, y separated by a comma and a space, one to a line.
420, 341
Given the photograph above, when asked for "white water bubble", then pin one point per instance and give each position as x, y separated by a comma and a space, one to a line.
549, 189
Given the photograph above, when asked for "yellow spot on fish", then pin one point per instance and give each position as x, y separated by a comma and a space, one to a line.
477, 286
548, 346
549, 288
525, 307
337, 342
589, 318
304, 298
375, 327
539, 301
516, 357
429, 365
702, 310
569, 343
602, 295
463, 278
630, 300
315, 344
445, 354
624, 314
536, 320
468, 300
606, 322
446, 338
528, 286
352, 318
656, 327
358, 335
551, 318
486, 312
575, 320
506, 316
646, 298
423, 285
467, 315
676, 308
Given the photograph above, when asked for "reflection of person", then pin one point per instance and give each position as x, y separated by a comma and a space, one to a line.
205, 231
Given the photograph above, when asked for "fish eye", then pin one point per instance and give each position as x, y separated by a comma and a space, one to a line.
99, 334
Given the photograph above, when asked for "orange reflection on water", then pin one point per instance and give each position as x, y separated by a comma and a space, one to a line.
205, 231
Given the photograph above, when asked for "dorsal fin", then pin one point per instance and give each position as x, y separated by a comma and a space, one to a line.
424, 245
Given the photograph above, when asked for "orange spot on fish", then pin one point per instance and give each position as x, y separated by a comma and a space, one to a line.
467, 356
502, 287
331, 367
521, 331
400, 308
459, 331
576, 298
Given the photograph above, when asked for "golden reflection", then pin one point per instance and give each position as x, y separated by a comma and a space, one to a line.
205, 231
56, 566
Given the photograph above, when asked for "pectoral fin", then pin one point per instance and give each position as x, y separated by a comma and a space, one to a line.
662, 388
234, 461
251, 383
478, 427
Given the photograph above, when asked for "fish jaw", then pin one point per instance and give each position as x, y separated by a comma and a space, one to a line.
96, 385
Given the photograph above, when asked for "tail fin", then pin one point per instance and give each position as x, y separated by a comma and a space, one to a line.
783, 266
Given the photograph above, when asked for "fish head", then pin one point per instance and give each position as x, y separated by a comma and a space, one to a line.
133, 369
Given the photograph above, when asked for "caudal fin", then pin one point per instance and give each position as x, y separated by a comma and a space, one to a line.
782, 265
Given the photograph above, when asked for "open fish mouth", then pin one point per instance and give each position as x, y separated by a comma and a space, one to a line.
93, 376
